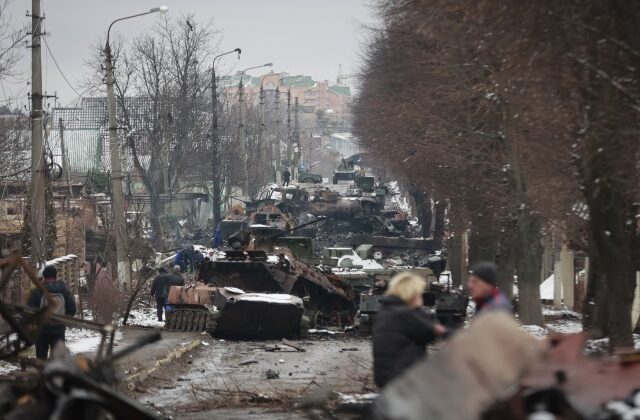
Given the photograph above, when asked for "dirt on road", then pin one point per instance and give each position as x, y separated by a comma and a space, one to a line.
261, 379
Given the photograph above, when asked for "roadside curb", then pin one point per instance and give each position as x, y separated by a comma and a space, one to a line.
130, 380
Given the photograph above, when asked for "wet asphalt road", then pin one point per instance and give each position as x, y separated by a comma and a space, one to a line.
231, 379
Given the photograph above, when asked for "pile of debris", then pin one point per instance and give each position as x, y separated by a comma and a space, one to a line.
63, 387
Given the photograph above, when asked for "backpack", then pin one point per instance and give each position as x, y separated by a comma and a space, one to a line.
57, 299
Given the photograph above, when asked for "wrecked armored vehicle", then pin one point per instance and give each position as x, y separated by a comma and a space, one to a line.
331, 205
449, 307
232, 313
327, 299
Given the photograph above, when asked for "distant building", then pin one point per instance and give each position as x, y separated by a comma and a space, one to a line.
312, 95
344, 144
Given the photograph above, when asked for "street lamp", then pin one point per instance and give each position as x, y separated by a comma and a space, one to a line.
216, 193
241, 131
119, 222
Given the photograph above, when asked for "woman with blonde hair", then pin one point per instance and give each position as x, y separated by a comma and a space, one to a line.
402, 329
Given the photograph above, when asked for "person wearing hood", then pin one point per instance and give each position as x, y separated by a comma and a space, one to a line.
402, 329
63, 304
483, 288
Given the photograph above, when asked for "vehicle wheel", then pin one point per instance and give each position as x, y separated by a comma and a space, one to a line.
307, 181
305, 324
181, 322
212, 322
364, 329
169, 320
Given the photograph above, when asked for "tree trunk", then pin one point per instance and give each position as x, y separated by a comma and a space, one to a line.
440, 209
423, 209
154, 217
216, 202
595, 315
455, 259
483, 240
506, 268
529, 250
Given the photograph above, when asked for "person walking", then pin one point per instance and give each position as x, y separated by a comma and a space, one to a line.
402, 329
483, 288
286, 177
160, 291
175, 278
63, 304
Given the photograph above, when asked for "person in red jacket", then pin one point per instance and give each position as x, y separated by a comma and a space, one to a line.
483, 288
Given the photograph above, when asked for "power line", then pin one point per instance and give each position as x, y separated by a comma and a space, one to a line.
58, 67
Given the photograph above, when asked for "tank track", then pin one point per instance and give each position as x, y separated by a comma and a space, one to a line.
192, 319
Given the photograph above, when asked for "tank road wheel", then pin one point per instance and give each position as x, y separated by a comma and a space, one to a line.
168, 319
212, 322
202, 321
188, 325
171, 321
180, 323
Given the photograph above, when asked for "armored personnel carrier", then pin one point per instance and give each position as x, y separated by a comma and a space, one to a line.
230, 312
448, 306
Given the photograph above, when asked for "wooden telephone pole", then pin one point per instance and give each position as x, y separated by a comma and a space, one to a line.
37, 219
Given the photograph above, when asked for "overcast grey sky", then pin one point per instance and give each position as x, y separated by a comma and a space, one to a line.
300, 36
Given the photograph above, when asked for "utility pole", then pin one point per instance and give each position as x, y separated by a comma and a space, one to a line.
278, 157
289, 134
119, 222
241, 125
117, 195
66, 170
296, 139
261, 143
242, 135
216, 178
37, 219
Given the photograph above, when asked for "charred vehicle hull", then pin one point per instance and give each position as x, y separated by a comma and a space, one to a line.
229, 312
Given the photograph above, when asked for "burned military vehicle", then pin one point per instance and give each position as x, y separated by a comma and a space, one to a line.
230, 312
278, 285
448, 306
332, 205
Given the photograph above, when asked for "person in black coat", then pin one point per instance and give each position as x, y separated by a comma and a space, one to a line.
401, 329
160, 290
64, 304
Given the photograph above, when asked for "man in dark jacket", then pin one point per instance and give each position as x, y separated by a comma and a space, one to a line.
483, 288
286, 177
160, 290
402, 329
64, 304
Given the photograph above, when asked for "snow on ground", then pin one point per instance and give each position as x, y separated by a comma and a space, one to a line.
80, 340
144, 317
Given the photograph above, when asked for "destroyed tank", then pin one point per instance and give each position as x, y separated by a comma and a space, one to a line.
230, 312
331, 205
449, 307
325, 296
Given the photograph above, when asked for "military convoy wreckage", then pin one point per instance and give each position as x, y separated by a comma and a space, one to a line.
271, 284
